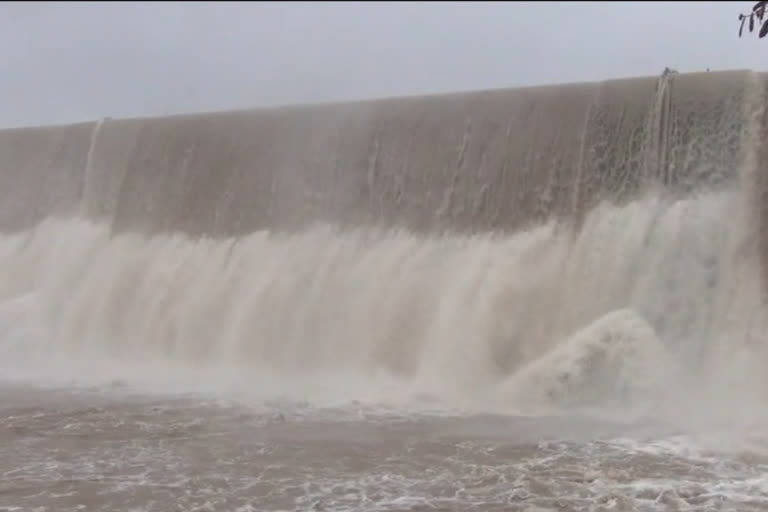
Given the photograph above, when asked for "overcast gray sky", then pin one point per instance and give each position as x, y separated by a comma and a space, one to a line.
62, 62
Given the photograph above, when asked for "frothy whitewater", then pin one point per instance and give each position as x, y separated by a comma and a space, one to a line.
621, 367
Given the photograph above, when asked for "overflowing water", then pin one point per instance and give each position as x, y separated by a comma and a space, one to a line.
618, 362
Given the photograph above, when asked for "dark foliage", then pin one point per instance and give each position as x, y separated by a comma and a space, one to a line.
756, 17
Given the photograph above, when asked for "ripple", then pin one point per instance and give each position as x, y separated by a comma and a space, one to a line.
111, 453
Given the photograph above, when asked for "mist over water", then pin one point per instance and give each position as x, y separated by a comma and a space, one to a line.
651, 308
592, 251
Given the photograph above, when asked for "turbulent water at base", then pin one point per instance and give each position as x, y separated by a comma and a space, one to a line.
606, 351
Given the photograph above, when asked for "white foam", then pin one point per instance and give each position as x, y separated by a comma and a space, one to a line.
472, 322
616, 359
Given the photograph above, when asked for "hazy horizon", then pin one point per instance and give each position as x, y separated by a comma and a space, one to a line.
72, 62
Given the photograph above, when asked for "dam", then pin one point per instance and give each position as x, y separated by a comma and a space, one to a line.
477, 161
442, 285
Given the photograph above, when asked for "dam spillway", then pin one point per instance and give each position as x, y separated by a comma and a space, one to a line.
496, 160
548, 297
468, 233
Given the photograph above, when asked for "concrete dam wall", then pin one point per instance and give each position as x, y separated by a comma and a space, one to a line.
476, 161
541, 246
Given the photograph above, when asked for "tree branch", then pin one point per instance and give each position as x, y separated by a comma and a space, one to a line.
755, 17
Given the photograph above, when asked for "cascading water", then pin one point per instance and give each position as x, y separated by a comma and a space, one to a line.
537, 251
